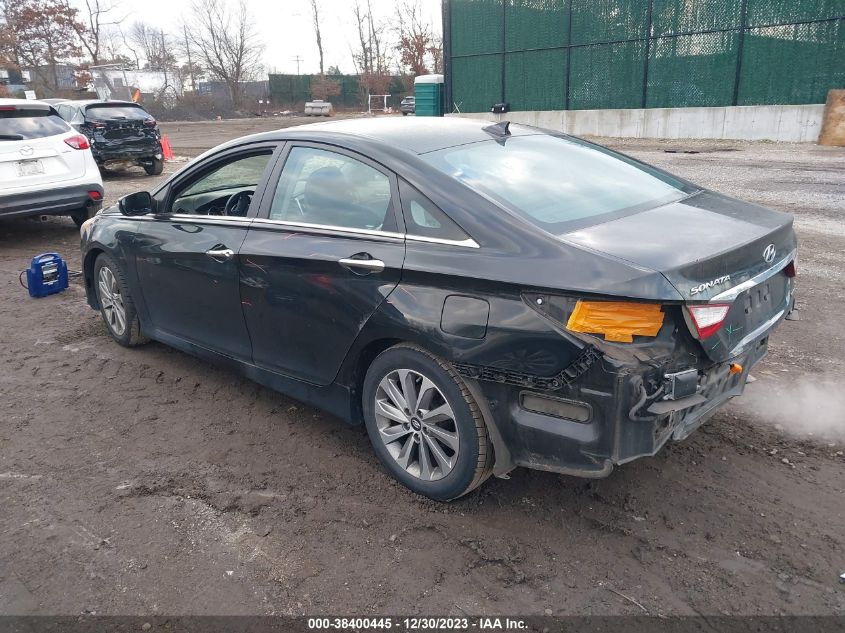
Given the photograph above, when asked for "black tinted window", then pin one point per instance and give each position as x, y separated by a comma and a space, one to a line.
105, 112
322, 187
21, 124
424, 219
208, 194
553, 181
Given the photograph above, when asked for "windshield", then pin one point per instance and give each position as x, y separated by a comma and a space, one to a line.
22, 124
104, 112
555, 182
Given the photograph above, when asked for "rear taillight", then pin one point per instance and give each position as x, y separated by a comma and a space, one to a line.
790, 270
78, 142
95, 195
618, 321
707, 319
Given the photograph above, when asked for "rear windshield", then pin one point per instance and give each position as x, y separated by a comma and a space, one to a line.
105, 112
22, 124
558, 183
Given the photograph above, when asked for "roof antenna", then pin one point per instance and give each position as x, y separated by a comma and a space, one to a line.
499, 130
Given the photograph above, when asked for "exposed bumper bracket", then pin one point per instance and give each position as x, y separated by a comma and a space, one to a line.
566, 378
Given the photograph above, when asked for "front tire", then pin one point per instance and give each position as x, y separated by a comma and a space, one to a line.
424, 424
116, 305
155, 168
80, 216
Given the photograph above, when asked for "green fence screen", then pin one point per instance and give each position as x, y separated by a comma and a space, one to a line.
294, 90
591, 54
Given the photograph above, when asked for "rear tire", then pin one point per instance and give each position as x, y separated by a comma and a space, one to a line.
155, 168
80, 216
424, 424
116, 305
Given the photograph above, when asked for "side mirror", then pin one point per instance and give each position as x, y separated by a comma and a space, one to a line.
140, 203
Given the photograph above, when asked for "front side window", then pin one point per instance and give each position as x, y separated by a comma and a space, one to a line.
326, 188
209, 194
26, 123
556, 183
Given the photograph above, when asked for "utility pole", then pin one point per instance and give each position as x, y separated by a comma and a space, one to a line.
298, 59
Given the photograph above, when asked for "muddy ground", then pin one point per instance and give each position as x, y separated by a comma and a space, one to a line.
145, 481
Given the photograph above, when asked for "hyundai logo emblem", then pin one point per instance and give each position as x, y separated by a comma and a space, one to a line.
26, 150
769, 254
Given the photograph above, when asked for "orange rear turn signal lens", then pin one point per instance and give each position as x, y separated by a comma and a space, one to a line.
736, 368
618, 321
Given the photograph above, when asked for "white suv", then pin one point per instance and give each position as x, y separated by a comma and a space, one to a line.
46, 167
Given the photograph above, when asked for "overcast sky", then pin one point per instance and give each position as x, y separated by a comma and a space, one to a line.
284, 26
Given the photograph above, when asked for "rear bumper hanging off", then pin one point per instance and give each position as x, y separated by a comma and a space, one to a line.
615, 423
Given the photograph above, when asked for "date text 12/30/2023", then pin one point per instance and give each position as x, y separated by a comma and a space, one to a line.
418, 624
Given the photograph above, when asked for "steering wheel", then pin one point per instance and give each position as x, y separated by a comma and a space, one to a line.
238, 204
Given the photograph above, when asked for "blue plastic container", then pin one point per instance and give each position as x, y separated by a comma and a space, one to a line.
47, 275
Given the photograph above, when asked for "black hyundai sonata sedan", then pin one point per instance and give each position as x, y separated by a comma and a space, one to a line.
480, 296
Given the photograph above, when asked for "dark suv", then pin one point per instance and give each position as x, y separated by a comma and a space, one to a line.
121, 133
408, 105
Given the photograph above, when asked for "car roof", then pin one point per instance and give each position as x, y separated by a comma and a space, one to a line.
417, 135
90, 102
21, 102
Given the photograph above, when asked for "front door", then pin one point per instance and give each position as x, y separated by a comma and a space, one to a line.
324, 254
186, 256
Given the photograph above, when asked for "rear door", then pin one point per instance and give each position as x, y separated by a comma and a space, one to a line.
186, 256
323, 255
32, 148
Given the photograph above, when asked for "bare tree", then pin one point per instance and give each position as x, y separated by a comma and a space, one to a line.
225, 39
98, 17
370, 59
114, 48
156, 46
323, 88
435, 50
414, 37
315, 10
40, 35
192, 69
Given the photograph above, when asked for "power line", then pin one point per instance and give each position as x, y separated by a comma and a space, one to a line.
298, 59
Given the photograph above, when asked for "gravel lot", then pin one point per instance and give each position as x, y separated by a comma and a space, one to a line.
148, 482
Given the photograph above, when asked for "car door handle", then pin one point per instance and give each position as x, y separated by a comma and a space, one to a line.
370, 265
220, 254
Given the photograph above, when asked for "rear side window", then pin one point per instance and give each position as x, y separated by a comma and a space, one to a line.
424, 219
106, 112
557, 183
23, 124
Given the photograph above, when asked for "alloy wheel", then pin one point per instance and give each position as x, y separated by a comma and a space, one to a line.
417, 424
111, 301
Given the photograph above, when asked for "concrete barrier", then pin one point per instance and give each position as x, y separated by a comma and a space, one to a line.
786, 123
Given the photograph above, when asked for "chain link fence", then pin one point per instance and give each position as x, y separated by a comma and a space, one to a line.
595, 54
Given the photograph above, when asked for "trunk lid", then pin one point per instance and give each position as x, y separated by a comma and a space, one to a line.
710, 248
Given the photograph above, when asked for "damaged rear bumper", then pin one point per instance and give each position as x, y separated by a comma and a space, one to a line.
115, 152
607, 421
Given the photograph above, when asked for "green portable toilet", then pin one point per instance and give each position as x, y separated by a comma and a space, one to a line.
428, 90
